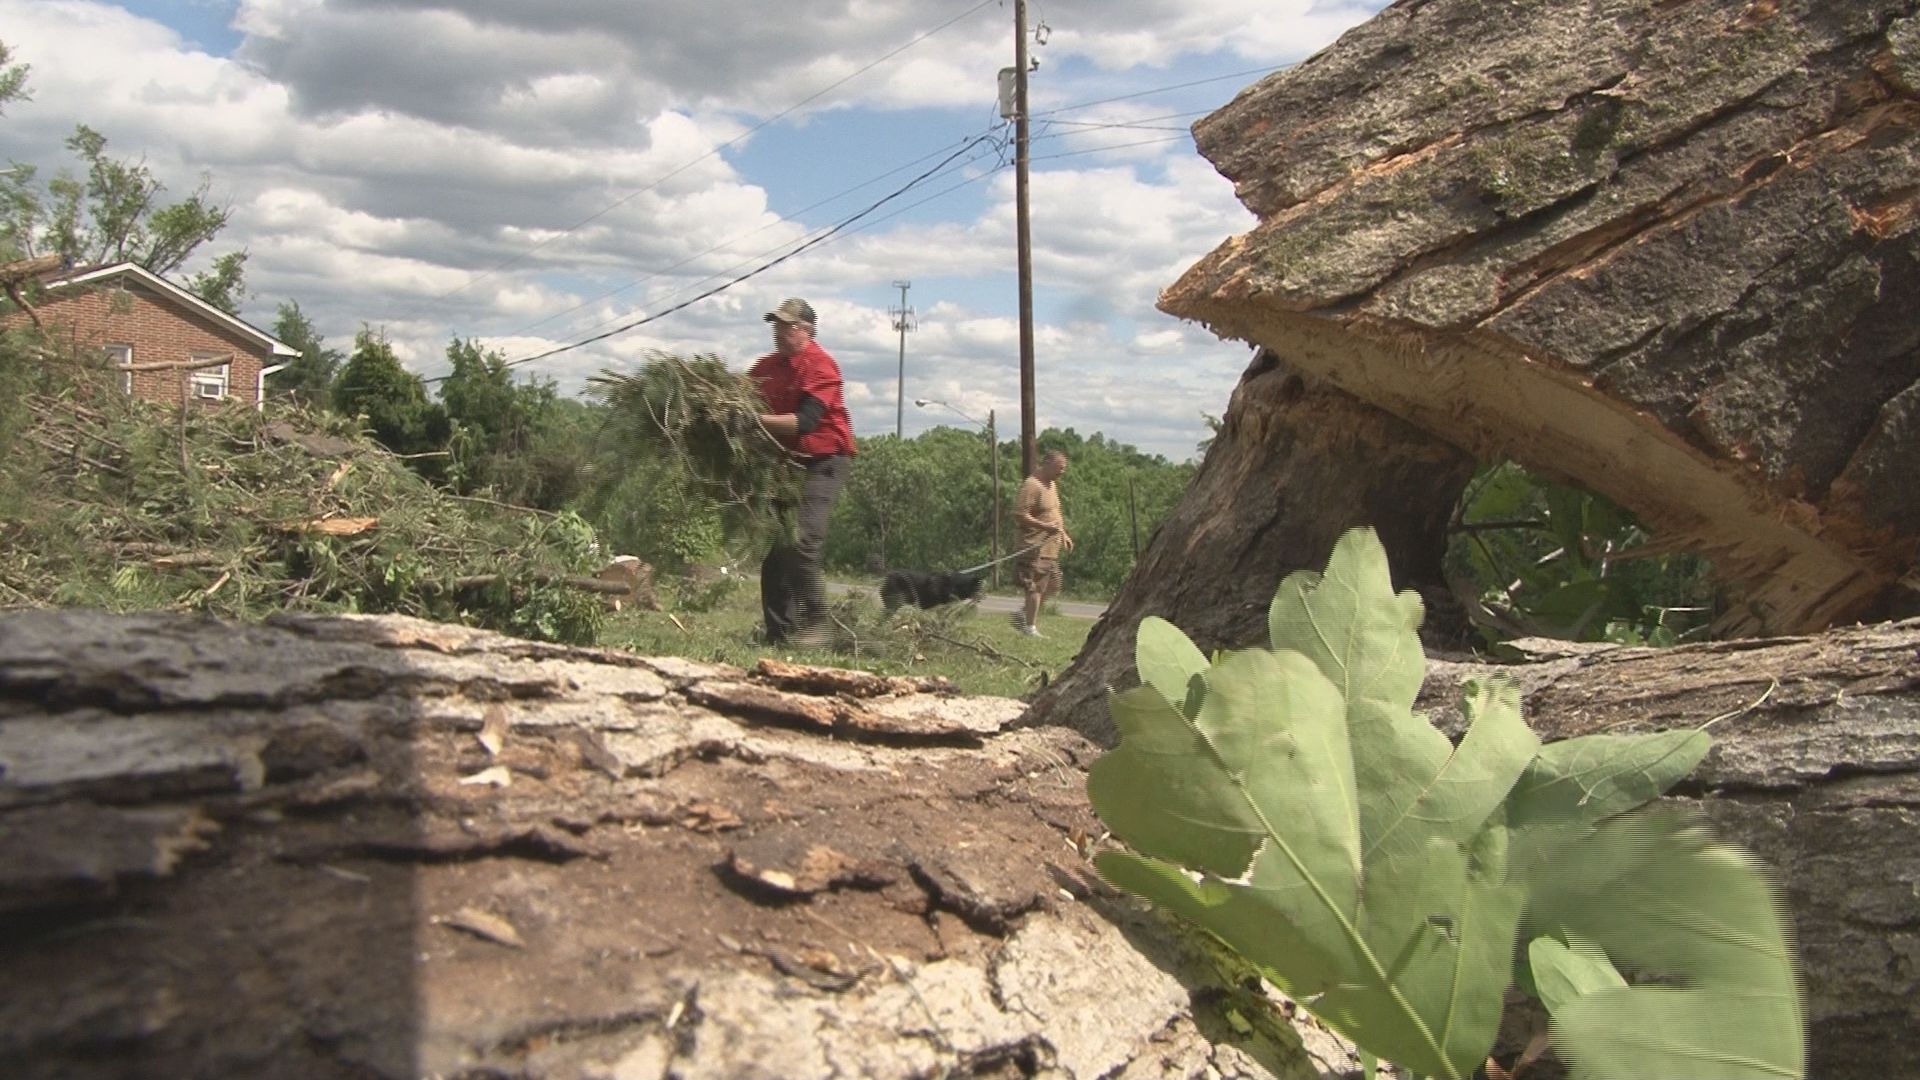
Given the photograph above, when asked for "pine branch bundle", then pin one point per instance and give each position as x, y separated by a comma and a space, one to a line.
694, 417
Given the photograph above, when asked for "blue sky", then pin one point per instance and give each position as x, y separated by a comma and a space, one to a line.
532, 174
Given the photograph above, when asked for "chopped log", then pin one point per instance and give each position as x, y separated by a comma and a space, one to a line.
637, 578
248, 851
1664, 251
250, 869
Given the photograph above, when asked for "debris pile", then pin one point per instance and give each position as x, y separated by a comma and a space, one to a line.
123, 505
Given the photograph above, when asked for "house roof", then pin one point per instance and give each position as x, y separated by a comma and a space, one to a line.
88, 275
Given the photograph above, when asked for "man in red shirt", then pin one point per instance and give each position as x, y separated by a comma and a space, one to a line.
808, 414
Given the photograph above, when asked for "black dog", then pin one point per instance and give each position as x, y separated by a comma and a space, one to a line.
927, 589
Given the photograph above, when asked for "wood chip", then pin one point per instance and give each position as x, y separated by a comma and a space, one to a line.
709, 817
493, 729
482, 924
340, 526
338, 475
498, 776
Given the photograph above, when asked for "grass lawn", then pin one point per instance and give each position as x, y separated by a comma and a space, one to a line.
979, 650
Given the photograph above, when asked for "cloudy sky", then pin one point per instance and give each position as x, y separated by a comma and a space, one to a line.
534, 173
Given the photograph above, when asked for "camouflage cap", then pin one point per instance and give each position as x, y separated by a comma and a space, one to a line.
792, 310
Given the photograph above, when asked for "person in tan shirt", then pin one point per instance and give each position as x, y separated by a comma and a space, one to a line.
1036, 514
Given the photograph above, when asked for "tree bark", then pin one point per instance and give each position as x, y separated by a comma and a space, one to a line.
378, 847
1296, 464
382, 847
1665, 251
1815, 767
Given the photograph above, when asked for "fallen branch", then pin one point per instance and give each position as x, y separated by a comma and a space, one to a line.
586, 584
75, 454
14, 273
176, 365
983, 649
187, 560
495, 502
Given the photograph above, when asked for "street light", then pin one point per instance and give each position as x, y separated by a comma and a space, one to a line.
993, 457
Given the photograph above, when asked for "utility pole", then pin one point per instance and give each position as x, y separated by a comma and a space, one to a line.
1023, 232
903, 322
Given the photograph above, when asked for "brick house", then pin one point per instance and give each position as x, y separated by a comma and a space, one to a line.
139, 318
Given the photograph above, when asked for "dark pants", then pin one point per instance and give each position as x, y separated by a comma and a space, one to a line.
792, 588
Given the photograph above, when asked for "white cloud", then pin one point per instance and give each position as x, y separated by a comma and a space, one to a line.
534, 173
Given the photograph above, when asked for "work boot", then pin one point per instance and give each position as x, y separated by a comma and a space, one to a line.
817, 636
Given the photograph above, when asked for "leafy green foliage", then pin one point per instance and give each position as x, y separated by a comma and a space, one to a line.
1291, 802
1556, 561
224, 283
393, 403
927, 503
657, 516
13, 77
113, 214
308, 378
502, 439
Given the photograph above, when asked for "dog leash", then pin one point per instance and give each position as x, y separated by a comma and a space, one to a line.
998, 561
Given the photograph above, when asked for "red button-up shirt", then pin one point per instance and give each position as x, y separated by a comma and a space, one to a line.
811, 372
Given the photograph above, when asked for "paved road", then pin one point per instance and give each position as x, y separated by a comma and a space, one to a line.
1077, 609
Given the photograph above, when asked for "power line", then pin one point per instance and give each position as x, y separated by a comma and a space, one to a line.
818, 237
846, 225
782, 114
1115, 146
1083, 127
1165, 89
722, 244
764, 267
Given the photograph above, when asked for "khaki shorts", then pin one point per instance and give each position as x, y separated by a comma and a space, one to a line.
1038, 575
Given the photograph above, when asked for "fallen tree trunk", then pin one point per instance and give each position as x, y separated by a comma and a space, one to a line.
1666, 251
358, 847
382, 847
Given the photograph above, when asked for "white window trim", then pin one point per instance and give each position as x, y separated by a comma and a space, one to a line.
216, 379
120, 355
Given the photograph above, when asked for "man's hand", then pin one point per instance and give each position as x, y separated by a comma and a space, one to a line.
782, 426
1066, 542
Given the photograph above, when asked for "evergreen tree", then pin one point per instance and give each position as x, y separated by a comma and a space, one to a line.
393, 404
309, 378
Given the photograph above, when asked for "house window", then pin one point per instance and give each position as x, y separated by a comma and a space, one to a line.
209, 384
119, 356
